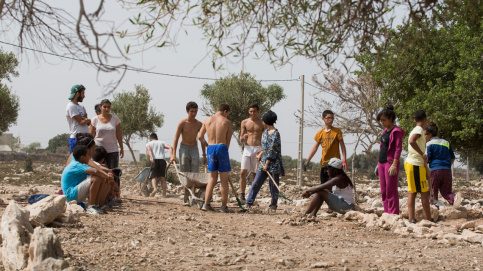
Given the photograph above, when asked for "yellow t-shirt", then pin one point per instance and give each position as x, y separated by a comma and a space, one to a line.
413, 156
330, 144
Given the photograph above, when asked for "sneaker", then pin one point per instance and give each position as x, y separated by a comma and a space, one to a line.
242, 197
273, 208
105, 209
153, 193
91, 210
457, 200
187, 203
248, 206
224, 209
206, 207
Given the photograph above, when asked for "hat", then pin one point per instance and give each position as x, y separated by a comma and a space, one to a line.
74, 90
270, 117
334, 162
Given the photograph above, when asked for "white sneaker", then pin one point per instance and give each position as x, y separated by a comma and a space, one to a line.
457, 200
153, 193
91, 210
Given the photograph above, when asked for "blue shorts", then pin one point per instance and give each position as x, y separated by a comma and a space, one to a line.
218, 158
72, 144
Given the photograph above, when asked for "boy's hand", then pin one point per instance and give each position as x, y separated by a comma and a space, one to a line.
305, 166
173, 159
392, 170
152, 160
425, 158
306, 194
344, 165
205, 160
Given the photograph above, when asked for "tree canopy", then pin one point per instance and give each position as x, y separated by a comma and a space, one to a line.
9, 101
61, 140
436, 66
239, 91
138, 117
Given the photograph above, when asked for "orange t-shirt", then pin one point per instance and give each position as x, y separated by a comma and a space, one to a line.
330, 144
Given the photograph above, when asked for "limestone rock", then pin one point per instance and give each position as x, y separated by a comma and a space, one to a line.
452, 213
370, 219
419, 214
353, 215
467, 225
321, 265
388, 220
45, 251
16, 231
47, 209
452, 237
472, 237
377, 204
71, 214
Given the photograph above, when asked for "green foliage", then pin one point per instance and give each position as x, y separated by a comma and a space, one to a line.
9, 101
436, 66
365, 163
32, 147
289, 163
233, 163
60, 140
28, 164
239, 91
138, 118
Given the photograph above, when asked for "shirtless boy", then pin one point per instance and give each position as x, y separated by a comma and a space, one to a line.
251, 135
219, 130
189, 156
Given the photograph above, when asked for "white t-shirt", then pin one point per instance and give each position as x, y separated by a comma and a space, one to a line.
413, 156
74, 126
157, 147
106, 133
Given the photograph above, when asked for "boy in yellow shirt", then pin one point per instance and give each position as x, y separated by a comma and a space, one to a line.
415, 167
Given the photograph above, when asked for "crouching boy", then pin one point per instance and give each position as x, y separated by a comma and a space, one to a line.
79, 181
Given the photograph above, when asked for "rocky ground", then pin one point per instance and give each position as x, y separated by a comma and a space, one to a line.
159, 234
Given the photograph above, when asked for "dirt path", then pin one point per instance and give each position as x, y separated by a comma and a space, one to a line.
135, 237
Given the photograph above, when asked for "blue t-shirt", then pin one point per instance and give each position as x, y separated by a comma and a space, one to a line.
439, 153
73, 175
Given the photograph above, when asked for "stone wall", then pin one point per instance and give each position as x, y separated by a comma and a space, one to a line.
44, 157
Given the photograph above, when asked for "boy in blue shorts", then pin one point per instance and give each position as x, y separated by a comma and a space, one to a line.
415, 167
219, 130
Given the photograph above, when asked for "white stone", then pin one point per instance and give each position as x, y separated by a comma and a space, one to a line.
377, 204
388, 220
370, 219
467, 225
321, 265
171, 241
45, 251
16, 231
452, 213
452, 237
353, 215
47, 209
472, 237
476, 206
421, 230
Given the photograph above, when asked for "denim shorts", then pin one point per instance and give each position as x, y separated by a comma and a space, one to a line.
338, 204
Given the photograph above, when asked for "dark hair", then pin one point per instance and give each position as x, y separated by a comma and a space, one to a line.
191, 105
80, 136
153, 136
99, 154
419, 115
335, 172
86, 141
327, 112
255, 106
97, 108
432, 129
78, 151
223, 108
387, 112
105, 101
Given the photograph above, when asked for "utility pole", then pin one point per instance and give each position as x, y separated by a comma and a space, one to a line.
301, 133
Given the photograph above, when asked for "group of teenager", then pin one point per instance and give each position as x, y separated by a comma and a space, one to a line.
95, 152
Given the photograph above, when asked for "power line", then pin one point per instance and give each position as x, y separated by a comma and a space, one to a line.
137, 69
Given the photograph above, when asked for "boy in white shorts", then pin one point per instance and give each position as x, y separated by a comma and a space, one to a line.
251, 135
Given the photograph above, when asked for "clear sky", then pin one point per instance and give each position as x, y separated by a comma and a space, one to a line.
44, 85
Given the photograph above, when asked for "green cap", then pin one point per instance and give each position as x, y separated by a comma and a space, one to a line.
74, 90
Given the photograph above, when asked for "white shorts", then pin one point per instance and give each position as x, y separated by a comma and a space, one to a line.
249, 158
83, 189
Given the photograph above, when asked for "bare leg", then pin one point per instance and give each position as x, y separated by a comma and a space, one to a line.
224, 188
94, 189
243, 180
153, 183
186, 195
425, 202
411, 205
104, 191
164, 185
209, 187
316, 202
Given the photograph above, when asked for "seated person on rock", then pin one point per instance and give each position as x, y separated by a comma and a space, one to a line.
98, 157
79, 181
337, 192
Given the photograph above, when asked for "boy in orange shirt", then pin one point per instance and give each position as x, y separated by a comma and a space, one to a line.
330, 138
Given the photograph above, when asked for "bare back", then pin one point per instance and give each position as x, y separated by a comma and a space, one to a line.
218, 129
254, 130
189, 132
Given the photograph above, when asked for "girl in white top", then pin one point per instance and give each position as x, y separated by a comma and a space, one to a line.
106, 129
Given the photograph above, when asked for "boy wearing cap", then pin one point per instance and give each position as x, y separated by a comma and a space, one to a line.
330, 138
76, 115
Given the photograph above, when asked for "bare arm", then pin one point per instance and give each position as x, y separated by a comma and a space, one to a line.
92, 130
150, 153
343, 150
100, 173
321, 187
81, 120
228, 135
243, 132
119, 139
176, 138
166, 146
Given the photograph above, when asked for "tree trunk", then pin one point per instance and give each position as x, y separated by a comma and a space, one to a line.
132, 154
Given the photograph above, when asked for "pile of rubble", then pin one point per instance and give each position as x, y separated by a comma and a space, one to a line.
27, 243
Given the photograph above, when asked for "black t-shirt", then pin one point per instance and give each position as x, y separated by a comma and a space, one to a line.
384, 146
